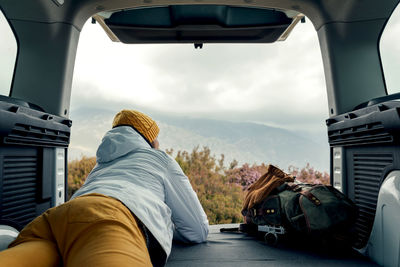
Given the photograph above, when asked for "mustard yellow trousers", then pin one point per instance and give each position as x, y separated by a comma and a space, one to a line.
90, 231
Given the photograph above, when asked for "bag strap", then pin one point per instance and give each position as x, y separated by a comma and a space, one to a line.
311, 197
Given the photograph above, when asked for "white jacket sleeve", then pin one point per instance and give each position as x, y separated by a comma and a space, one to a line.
191, 224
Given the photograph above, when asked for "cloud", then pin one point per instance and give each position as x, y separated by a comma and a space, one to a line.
8, 50
281, 84
390, 52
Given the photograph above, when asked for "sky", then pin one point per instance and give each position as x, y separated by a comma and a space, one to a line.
8, 53
280, 84
390, 52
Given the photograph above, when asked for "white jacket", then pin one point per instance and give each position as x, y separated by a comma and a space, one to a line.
151, 184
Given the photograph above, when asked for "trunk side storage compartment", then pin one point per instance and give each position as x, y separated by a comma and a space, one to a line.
364, 148
33, 142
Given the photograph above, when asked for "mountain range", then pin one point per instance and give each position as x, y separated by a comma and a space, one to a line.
246, 142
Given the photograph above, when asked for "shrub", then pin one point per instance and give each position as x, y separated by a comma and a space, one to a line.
78, 170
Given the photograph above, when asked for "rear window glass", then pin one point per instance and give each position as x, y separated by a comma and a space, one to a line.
8, 54
390, 52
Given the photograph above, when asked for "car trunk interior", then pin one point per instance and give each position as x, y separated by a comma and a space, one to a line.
362, 126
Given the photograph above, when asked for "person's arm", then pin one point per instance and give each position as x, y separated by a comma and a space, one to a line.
191, 224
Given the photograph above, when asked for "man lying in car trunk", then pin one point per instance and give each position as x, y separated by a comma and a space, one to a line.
133, 203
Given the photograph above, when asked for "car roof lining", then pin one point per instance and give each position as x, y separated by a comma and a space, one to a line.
77, 12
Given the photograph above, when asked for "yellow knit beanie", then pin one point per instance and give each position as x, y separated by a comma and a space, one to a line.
141, 122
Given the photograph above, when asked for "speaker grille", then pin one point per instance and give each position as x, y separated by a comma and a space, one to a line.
368, 170
18, 198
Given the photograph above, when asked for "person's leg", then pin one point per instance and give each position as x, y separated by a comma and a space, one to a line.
39, 253
34, 246
109, 244
100, 231
92, 230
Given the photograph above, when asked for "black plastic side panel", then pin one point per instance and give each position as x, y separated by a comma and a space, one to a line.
28, 142
370, 139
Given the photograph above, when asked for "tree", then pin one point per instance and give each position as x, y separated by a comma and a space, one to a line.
244, 176
221, 200
220, 190
309, 175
